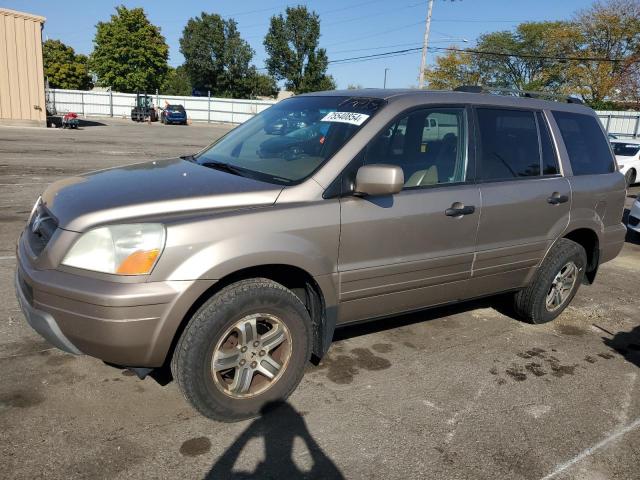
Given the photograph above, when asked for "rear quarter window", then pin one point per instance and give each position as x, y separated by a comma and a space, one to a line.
587, 147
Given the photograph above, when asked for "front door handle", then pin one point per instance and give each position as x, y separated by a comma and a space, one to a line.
458, 210
556, 198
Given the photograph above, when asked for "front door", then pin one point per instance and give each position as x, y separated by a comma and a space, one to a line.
525, 199
416, 248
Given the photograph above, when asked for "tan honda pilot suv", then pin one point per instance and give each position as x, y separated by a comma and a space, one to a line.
233, 267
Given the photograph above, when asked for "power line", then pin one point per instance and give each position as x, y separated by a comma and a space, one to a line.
464, 20
344, 20
371, 59
410, 44
407, 51
375, 34
525, 55
376, 55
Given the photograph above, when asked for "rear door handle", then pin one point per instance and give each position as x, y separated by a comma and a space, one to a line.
458, 210
556, 198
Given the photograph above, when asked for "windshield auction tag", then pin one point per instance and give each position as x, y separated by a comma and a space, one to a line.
345, 117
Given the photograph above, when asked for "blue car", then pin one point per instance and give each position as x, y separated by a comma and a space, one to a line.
174, 114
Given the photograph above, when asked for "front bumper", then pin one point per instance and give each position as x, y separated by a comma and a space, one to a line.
129, 324
42, 322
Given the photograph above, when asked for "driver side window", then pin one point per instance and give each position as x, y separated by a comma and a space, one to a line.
429, 145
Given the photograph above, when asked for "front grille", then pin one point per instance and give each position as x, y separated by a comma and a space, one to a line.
633, 221
41, 228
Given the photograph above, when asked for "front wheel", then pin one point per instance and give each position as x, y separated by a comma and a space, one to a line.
245, 347
554, 285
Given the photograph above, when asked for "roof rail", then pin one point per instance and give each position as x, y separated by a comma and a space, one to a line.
518, 93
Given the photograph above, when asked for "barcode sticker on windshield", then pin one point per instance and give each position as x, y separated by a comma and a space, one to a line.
345, 117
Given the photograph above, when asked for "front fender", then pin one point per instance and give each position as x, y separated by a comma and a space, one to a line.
230, 255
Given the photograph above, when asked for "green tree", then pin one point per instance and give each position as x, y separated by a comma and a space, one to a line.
263, 85
453, 70
63, 68
607, 30
176, 82
528, 69
217, 59
130, 54
293, 54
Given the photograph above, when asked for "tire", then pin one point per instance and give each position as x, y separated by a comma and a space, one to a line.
206, 333
630, 177
530, 303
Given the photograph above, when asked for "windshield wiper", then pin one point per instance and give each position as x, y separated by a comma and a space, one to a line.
245, 172
188, 158
225, 167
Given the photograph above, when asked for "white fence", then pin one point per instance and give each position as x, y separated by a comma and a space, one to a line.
625, 124
212, 109
114, 104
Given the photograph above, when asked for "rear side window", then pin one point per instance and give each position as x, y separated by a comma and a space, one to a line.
588, 148
509, 145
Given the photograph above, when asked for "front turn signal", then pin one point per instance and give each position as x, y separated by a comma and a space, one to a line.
139, 263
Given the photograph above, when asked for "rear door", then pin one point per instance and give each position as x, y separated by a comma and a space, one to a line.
525, 199
411, 250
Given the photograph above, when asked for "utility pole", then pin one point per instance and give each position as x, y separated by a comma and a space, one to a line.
425, 45
385, 77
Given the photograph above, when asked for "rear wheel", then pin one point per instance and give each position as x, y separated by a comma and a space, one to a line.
630, 177
245, 347
554, 285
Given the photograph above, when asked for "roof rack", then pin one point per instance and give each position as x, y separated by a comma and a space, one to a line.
518, 93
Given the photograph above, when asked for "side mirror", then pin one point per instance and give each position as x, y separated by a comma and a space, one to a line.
380, 179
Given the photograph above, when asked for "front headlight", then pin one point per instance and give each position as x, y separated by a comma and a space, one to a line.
118, 249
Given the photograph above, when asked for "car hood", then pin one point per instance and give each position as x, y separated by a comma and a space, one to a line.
149, 190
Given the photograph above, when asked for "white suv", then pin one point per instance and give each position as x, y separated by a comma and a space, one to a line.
628, 157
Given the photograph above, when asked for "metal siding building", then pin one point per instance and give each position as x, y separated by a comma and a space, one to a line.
22, 100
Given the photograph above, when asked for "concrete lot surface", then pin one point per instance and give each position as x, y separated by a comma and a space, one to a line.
451, 393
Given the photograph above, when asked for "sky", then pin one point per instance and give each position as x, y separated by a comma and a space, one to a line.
349, 28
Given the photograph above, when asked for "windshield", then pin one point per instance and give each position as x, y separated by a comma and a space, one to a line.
625, 149
175, 108
289, 141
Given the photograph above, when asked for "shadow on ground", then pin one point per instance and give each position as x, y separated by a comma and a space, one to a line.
501, 303
278, 425
56, 122
626, 344
89, 123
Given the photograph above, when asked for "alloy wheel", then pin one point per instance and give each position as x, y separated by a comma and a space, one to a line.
561, 287
251, 355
